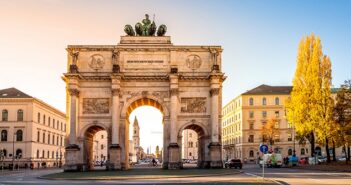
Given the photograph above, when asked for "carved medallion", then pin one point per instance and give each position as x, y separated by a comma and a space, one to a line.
193, 62
193, 105
96, 62
96, 105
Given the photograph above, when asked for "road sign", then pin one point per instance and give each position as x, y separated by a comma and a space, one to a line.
264, 148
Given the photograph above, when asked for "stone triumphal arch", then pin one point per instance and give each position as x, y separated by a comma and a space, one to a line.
105, 83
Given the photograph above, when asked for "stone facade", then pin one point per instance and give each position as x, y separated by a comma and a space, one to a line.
100, 146
32, 130
105, 83
244, 116
190, 143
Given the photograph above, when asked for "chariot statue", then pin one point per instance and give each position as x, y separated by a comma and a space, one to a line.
145, 28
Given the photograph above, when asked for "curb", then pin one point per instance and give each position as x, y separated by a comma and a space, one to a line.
148, 178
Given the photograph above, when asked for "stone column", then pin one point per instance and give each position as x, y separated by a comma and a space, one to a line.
72, 150
215, 145
115, 149
173, 147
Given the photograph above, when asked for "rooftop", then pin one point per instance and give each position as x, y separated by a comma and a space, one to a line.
13, 93
266, 89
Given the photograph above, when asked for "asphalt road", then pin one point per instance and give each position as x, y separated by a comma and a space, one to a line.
250, 173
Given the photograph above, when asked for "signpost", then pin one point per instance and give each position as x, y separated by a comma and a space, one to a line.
263, 149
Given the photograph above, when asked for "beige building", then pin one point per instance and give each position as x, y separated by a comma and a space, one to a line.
190, 144
100, 146
244, 117
30, 129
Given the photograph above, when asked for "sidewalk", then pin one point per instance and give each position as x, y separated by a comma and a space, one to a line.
326, 167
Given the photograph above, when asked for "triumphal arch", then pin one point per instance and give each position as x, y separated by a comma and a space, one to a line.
105, 83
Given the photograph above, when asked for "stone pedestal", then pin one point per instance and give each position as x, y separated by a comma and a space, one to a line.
115, 158
72, 156
215, 155
174, 156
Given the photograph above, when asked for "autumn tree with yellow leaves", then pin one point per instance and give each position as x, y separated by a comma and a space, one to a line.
269, 131
310, 106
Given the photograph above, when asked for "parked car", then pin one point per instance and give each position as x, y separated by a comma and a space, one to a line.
341, 159
233, 163
321, 159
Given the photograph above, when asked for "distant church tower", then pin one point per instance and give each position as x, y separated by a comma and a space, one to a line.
136, 137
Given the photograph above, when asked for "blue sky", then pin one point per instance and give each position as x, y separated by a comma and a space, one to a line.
259, 37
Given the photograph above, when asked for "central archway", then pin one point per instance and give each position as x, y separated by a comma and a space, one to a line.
126, 112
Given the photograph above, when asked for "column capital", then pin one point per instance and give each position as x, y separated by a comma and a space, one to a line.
116, 92
214, 91
73, 92
174, 91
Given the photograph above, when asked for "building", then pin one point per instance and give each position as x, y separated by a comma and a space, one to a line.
32, 132
100, 146
190, 145
244, 116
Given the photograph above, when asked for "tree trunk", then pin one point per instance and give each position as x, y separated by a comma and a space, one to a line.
348, 153
311, 140
327, 150
334, 156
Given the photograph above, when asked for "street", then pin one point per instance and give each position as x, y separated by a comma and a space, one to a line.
251, 173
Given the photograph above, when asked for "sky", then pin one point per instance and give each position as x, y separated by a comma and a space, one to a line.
259, 37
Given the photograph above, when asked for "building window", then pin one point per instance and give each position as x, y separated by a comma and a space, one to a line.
276, 114
44, 119
53, 154
276, 125
53, 139
43, 154
53, 122
18, 153
57, 140
37, 153
264, 101
57, 125
48, 154
61, 126
5, 115
38, 117
4, 135
4, 153
44, 137
190, 135
38, 136
302, 151
276, 138
264, 114
289, 125
251, 114
20, 115
251, 153
61, 141
276, 101
19, 135
251, 101
49, 121
49, 138
251, 139
190, 154
251, 126
290, 151
289, 137
102, 136
102, 147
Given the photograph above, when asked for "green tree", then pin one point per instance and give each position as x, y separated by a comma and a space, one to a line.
310, 105
342, 116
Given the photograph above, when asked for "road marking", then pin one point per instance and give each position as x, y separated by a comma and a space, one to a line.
251, 174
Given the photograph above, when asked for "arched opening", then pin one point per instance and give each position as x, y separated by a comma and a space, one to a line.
95, 148
318, 151
144, 133
193, 141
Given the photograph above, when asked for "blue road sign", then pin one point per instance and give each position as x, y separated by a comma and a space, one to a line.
264, 148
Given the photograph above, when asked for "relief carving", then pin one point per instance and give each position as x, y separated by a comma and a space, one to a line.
193, 105
96, 62
96, 105
193, 62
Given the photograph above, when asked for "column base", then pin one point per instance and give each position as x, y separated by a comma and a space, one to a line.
215, 155
71, 159
174, 157
114, 162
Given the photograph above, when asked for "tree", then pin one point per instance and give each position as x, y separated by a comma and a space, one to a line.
270, 130
342, 116
310, 105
